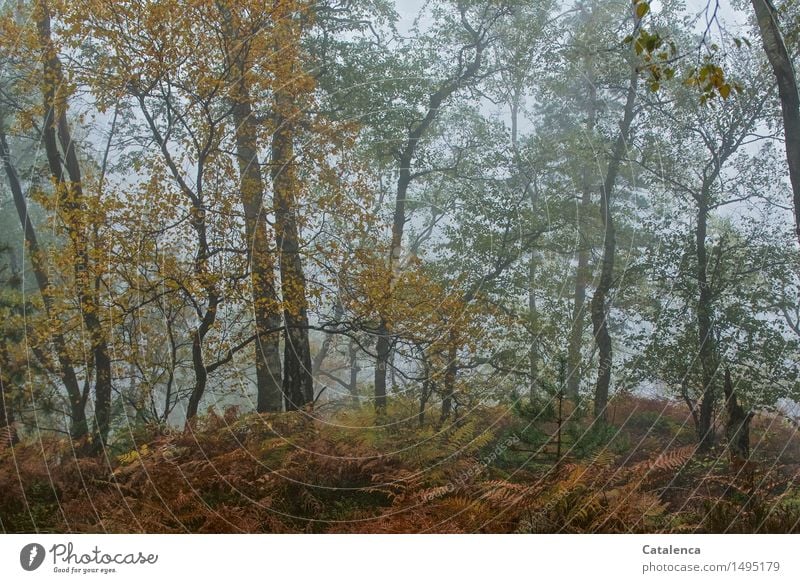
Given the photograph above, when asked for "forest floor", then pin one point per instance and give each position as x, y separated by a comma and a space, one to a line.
494, 470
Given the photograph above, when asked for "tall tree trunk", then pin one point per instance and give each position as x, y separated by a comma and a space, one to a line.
582, 277
781, 62
69, 189
583, 273
599, 307
79, 427
383, 346
298, 382
252, 194
705, 330
533, 357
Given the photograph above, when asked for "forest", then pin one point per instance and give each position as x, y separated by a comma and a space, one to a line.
399, 266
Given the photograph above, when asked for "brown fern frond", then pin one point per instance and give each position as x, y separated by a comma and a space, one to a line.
667, 461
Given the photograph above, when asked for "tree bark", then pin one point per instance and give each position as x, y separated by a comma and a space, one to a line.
782, 67
705, 333
252, 195
533, 356
382, 352
383, 346
692, 405
198, 338
69, 189
583, 272
298, 382
79, 427
599, 308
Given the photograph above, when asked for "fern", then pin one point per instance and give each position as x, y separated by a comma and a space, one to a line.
292, 473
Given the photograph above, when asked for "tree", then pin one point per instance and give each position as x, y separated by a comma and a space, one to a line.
469, 62
782, 66
711, 138
243, 39
77, 399
79, 212
291, 85
599, 309
65, 170
583, 271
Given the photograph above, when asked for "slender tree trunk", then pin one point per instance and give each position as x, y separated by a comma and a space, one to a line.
200, 376
319, 358
582, 277
533, 356
198, 339
173, 361
79, 427
69, 189
600, 310
782, 66
704, 326
262, 269
207, 315
383, 347
298, 382
583, 273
